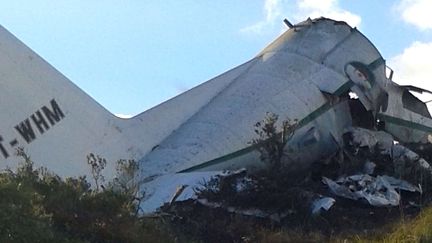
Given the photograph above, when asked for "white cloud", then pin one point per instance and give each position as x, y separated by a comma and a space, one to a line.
413, 66
272, 11
298, 10
326, 8
416, 12
124, 116
324, 4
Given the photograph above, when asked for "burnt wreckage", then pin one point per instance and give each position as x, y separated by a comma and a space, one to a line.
309, 74
333, 81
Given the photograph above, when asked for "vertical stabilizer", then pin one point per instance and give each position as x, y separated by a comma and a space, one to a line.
53, 120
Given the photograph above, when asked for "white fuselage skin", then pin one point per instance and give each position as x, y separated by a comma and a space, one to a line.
304, 75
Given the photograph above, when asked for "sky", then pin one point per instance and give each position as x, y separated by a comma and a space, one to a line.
132, 55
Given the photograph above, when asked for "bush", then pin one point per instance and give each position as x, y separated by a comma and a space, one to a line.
270, 142
39, 206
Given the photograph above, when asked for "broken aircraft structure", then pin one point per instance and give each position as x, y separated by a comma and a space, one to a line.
306, 74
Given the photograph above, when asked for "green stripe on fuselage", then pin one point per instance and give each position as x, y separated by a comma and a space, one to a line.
312, 116
303, 122
404, 123
344, 88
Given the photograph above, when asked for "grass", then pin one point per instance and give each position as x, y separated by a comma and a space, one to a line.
418, 229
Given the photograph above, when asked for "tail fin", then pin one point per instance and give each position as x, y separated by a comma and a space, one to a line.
53, 120
58, 125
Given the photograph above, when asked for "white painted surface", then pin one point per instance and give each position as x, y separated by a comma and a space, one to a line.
214, 119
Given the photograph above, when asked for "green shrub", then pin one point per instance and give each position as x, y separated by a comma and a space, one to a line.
39, 206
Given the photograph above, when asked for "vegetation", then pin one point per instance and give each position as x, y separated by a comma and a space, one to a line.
274, 205
39, 206
270, 142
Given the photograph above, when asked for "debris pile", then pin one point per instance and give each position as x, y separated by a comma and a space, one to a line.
370, 182
371, 169
377, 191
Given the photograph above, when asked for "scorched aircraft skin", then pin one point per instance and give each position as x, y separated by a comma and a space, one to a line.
305, 75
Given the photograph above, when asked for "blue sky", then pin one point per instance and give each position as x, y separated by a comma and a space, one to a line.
132, 55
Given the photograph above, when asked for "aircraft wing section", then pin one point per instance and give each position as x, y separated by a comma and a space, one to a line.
154, 197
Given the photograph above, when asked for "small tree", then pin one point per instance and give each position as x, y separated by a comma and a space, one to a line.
125, 173
125, 183
271, 141
97, 164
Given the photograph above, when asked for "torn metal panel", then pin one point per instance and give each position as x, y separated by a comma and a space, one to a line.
404, 162
323, 136
406, 117
377, 191
379, 142
402, 184
162, 189
358, 138
416, 89
324, 203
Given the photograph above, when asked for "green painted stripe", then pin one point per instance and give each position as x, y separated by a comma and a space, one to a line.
309, 118
315, 114
221, 159
404, 123
375, 64
303, 122
344, 88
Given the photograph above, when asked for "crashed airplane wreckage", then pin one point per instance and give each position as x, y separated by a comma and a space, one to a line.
306, 75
